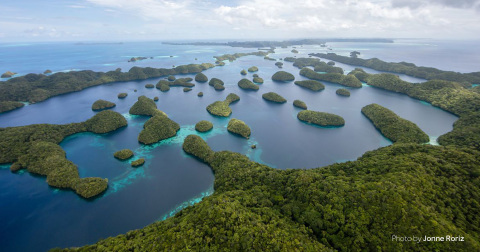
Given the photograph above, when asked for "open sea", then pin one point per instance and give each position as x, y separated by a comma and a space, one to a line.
36, 217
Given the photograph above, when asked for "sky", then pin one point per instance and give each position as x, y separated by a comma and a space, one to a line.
127, 20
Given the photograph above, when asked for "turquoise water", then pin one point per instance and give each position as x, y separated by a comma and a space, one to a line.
170, 179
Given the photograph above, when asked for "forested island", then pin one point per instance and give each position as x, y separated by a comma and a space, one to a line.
320, 118
35, 148
222, 108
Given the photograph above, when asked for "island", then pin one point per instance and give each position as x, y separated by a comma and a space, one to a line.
187, 89
163, 86
200, 94
122, 95
279, 64
144, 106
171, 78
158, 128
8, 74
294, 51
243, 72
200, 77
218, 87
238, 127
35, 148
274, 97
214, 81
282, 76
258, 80
345, 80
102, 104
320, 118
222, 108
342, 92
203, 126
253, 69
123, 154
311, 84
299, 104
155, 98
138, 162
48, 71
149, 86
394, 127
247, 85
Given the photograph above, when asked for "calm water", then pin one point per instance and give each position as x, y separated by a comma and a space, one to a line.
36, 217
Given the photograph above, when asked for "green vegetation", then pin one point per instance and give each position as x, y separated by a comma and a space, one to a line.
187, 89
279, 64
123, 154
200, 94
35, 148
149, 85
465, 133
269, 58
311, 84
346, 80
255, 75
203, 126
104, 122
283, 76
253, 69
10, 105
155, 98
299, 104
158, 128
200, 77
258, 80
171, 78
238, 127
324, 67
144, 106
122, 95
102, 104
182, 82
274, 97
394, 127
320, 118
138, 162
294, 51
255, 207
222, 108
232, 57
247, 85
214, 81
342, 92
218, 87
409, 69
48, 71
39, 87
8, 74
164, 87
243, 72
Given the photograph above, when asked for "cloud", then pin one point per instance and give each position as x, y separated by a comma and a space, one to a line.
414, 4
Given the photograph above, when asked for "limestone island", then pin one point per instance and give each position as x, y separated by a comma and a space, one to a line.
144, 106
171, 78
283, 76
394, 127
138, 162
8, 74
48, 71
222, 108
102, 104
214, 81
320, 118
299, 104
149, 86
239, 127
163, 85
123, 154
253, 69
218, 87
203, 126
187, 89
243, 72
155, 98
247, 85
343, 92
183, 82
294, 51
279, 64
200, 94
258, 80
274, 97
200, 77
122, 95
311, 84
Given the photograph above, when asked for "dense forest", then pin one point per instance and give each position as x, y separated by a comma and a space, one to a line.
410, 69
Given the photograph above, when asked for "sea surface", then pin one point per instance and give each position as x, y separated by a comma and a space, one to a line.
36, 217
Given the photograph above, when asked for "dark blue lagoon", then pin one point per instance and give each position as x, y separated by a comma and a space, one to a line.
37, 217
